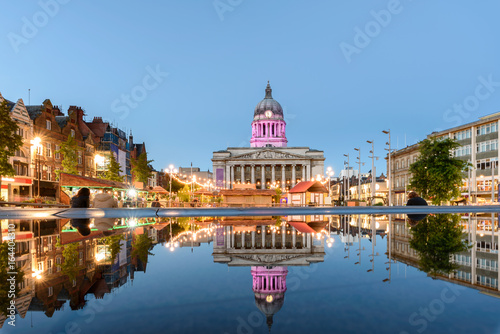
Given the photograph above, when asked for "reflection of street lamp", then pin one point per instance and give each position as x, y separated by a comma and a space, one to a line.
170, 170
348, 176
36, 143
388, 132
373, 170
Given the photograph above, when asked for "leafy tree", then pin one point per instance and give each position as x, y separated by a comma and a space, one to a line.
141, 168
69, 151
114, 245
437, 175
113, 171
142, 246
184, 193
277, 197
70, 265
10, 140
4, 283
436, 238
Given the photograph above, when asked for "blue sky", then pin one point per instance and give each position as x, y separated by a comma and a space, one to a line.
342, 70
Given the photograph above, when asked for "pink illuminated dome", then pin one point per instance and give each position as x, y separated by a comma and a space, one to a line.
269, 287
268, 126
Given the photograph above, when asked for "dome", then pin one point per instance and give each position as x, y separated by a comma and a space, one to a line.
268, 103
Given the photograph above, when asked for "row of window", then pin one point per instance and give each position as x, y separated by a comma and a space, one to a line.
487, 128
465, 134
486, 146
487, 163
268, 169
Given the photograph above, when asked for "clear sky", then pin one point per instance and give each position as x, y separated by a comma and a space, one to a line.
342, 70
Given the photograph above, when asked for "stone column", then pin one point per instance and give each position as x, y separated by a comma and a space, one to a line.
253, 239
294, 239
228, 236
308, 172
303, 240
242, 174
293, 175
273, 177
232, 177
232, 238
273, 233
303, 173
283, 236
263, 236
263, 178
243, 239
227, 177
253, 174
283, 179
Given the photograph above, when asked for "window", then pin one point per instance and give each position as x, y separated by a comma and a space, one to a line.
487, 163
462, 151
50, 291
48, 125
485, 146
48, 150
461, 135
487, 128
57, 154
238, 169
80, 160
49, 173
72, 133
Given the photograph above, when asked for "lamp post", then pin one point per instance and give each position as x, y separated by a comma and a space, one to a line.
388, 132
348, 175
170, 170
373, 169
329, 173
359, 171
36, 143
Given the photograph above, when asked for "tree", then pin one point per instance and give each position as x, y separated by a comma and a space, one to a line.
70, 265
5, 287
437, 175
113, 171
435, 239
10, 140
69, 151
114, 245
141, 168
141, 247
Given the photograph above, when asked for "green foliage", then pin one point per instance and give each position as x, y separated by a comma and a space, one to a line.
9, 140
113, 171
141, 168
436, 238
70, 265
141, 247
277, 197
69, 151
4, 283
184, 193
114, 246
437, 175
176, 185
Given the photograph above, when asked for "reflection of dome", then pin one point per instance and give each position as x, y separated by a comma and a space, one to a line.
268, 103
269, 286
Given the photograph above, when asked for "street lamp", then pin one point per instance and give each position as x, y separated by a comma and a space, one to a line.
99, 160
359, 171
36, 143
348, 175
388, 132
373, 169
170, 170
329, 173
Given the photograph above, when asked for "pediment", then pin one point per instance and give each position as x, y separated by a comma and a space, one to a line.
268, 154
268, 259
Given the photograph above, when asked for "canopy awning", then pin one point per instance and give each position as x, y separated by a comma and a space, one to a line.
70, 180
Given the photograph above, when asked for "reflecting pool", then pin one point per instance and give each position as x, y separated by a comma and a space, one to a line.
295, 274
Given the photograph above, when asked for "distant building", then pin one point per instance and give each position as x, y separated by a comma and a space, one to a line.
200, 176
268, 161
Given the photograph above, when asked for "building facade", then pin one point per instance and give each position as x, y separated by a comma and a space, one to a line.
268, 162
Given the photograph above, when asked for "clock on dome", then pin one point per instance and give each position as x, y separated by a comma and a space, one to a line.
268, 113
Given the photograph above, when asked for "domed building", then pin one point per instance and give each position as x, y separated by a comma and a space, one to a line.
268, 161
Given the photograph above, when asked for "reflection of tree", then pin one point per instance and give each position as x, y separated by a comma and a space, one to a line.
4, 283
114, 246
141, 247
436, 238
70, 264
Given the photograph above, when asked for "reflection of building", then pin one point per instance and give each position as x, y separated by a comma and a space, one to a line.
268, 161
268, 250
477, 267
269, 287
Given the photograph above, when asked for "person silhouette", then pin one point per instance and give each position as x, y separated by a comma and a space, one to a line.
414, 199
